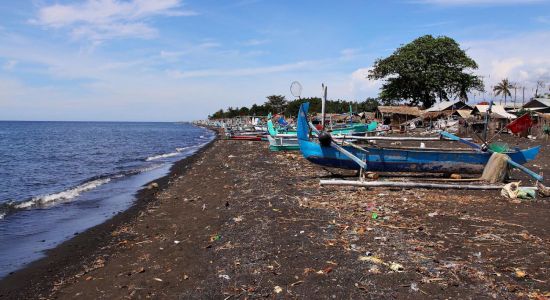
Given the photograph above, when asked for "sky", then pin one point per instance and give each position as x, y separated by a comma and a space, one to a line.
180, 60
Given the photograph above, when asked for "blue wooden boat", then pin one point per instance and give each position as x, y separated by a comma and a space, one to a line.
463, 161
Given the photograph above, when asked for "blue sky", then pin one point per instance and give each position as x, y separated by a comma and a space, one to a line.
168, 60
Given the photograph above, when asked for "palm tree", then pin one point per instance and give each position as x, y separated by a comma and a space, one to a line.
503, 88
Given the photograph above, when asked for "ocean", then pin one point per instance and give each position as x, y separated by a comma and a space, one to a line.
60, 178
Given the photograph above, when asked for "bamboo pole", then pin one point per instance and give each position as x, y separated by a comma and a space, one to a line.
410, 185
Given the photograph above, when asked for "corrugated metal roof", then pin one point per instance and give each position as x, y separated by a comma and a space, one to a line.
544, 101
498, 111
439, 106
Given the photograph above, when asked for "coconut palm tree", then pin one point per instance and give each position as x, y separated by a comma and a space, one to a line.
503, 88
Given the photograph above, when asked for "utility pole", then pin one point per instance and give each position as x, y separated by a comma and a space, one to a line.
523, 97
515, 98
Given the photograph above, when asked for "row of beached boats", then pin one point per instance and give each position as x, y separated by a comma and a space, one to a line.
355, 146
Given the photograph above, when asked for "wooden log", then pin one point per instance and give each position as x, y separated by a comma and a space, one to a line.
423, 185
394, 138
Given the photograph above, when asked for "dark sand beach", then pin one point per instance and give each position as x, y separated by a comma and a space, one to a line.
236, 221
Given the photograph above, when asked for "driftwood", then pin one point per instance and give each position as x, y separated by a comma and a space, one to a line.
424, 185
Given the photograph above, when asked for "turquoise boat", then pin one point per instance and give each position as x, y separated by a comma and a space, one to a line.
281, 141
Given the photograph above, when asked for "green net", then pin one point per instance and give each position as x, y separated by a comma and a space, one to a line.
499, 147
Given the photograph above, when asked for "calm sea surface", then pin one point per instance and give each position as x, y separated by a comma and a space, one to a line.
60, 178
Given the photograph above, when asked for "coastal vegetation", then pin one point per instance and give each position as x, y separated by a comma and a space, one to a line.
504, 88
420, 73
426, 70
277, 104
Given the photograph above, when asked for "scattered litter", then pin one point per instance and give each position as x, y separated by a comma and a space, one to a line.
224, 276
277, 289
153, 185
157, 279
215, 237
371, 259
519, 273
396, 267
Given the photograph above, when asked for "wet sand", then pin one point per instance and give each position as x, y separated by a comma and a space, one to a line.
236, 221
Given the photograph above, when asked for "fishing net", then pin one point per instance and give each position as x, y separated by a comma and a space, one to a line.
296, 89
496, 168
499, 147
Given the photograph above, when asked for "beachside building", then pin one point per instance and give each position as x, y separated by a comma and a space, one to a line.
397, 115
540, 105
449, 106
499, 116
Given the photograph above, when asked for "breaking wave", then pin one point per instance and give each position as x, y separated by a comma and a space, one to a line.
67, 195
166, 155
155, 157
48, 200
64, 196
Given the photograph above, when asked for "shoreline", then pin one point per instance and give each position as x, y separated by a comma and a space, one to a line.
38, 277
244, 222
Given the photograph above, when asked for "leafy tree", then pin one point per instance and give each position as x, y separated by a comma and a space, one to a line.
370, 104
291, 108
217, 115
277, 103
426, 70
244, 111
503, 88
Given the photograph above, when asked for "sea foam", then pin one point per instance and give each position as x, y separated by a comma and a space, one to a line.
63, 196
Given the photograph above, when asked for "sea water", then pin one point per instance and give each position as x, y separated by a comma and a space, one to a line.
60, 178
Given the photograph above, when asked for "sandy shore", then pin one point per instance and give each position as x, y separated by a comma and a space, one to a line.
236, 221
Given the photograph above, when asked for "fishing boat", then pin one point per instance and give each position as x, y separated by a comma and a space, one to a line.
278, 141
394, 159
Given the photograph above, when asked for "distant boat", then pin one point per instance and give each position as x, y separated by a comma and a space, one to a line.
389, 159
281, 140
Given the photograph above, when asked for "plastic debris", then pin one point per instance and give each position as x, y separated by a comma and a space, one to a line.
513, 190
519, 273
372, 259
277, 289
396, 267
215, 237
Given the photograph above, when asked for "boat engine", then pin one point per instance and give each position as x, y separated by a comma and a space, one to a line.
325, 139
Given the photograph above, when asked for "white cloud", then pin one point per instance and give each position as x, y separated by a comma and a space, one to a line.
107, 19
349, 53
522, 59
543, 19
173, 55
242, 71
10, 64
478, 2
255, 42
